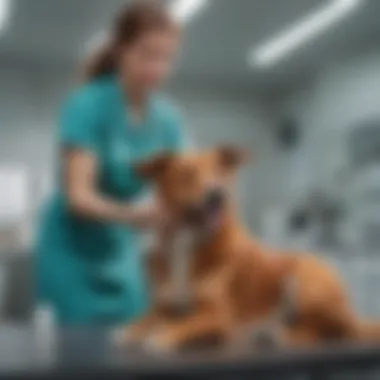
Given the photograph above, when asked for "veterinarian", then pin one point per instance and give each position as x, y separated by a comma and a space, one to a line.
89, 255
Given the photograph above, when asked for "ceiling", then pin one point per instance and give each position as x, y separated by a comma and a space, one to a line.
216, 41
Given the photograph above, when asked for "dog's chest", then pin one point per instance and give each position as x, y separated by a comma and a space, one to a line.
180, 263
175, 289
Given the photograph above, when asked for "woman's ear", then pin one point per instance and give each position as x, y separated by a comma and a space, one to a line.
232, 157
154, 167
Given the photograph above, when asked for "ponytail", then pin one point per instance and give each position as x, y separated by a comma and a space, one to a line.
102, 63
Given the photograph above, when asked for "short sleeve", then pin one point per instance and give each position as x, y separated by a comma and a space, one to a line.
79, 122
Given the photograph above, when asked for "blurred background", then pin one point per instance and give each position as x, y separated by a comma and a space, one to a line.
296, 81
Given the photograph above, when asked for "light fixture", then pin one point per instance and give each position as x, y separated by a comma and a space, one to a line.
4, 14
301, 32
184, 10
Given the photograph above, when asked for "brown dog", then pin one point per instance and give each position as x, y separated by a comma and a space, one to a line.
235, 285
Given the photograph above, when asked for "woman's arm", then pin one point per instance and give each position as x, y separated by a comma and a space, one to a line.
80, 175
80, 130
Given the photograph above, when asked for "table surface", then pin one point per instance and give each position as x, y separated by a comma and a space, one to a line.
24, 353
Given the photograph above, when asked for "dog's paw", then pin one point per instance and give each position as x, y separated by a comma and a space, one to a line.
123, 337
116, 336
158, 343
266, 337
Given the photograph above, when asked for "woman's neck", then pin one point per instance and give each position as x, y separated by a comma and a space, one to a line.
136, 96
137, 99
137, 105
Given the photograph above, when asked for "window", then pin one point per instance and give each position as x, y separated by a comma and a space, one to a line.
14, 206
13, 194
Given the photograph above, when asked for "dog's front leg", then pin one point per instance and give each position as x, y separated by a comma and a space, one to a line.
202, 328
135, 333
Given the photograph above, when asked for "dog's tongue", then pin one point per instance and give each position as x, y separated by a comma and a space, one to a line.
213, 220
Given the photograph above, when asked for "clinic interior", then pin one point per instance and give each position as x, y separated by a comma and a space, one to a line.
251, 72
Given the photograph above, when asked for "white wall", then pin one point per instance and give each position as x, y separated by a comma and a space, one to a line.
327, 108
338, 99
29, 98
28, 101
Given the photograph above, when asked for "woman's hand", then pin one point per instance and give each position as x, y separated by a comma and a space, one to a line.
150, 216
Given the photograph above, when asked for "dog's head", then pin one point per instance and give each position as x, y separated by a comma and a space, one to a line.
196, 188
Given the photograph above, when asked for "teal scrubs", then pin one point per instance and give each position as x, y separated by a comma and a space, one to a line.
89, 271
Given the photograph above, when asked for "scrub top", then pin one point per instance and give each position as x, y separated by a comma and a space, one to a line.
88, 271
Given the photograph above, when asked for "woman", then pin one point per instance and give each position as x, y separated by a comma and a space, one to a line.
89, 255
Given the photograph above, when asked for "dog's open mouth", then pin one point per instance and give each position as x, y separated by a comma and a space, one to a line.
209, 214
213, 219
202, 218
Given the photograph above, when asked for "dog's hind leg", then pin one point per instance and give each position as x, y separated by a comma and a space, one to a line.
268, 333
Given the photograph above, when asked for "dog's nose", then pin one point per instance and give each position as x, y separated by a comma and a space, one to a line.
215, 199
212, 202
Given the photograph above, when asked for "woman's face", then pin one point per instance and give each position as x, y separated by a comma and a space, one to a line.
149, 60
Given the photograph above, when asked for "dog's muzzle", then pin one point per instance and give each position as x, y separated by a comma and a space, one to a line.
210, 208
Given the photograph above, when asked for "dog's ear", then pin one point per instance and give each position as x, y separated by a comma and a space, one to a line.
231, 157
152, 168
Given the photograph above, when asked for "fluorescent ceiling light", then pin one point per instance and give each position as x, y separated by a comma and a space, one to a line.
301, 32
184, 10
4, 13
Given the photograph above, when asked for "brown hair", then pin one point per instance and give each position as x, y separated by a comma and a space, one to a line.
134, 20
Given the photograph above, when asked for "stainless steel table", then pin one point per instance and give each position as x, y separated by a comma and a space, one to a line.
90, 354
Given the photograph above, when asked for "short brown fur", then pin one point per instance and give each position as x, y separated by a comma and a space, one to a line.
236, 282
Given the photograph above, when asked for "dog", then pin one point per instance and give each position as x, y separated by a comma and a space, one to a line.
235, 288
